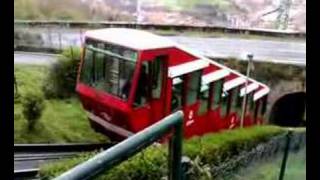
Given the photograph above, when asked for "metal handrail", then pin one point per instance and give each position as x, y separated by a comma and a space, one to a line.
127, 148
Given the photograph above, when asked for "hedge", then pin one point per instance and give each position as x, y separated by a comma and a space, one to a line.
151, 163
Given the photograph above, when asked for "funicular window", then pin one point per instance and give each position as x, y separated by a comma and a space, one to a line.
239, 104
235, 98
108, 67
177, 94
157, 70
249, 103
264, 106
252, 103
257, 109
225, 103
150, 81
193, 87
142, 91
87, 68
217, 87
204, 100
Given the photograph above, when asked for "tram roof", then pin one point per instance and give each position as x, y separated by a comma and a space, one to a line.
132, 38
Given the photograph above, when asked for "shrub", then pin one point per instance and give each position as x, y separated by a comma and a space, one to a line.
62, 76
203, 151
33, 105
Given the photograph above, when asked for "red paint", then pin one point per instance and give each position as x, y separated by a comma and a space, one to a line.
122, 113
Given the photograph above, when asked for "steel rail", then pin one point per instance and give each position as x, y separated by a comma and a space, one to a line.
25, 173
60, 147
26, 153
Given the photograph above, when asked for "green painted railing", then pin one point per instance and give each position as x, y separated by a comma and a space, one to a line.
127, 148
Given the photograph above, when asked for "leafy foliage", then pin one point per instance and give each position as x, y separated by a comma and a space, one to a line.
33, 105
62, 121
203, 151
61, 80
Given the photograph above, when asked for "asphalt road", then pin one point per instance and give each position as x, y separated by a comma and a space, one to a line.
286, 51
34, 58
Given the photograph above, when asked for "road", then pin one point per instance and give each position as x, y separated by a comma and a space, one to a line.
276, 51
264, 50
34, 58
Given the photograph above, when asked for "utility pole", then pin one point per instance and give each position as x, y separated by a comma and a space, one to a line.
138, 10
250, 57
283, 15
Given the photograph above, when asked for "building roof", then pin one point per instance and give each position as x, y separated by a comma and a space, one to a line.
132, 38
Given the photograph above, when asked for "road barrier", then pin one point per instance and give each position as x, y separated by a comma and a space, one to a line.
127, 148
148, 26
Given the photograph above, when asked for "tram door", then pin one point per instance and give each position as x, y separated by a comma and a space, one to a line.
157, 70
185, 91
149, 100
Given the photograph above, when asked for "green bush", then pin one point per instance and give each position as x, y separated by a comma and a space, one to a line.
203, 151
33, 105
61, 80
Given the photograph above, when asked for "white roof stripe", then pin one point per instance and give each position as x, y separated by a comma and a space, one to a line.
250, 88
185, 68
260, 93
214, 76
233, 83
197, 54
204, 87
176, 80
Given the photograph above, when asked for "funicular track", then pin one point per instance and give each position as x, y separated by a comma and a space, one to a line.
28, 157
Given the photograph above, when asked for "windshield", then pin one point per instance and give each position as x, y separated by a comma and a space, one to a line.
108, 68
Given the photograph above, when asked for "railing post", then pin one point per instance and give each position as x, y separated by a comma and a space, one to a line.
285, 156
185, 166
175, 148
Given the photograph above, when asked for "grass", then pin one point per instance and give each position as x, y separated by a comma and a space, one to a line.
63, 121
152, 163
270, 170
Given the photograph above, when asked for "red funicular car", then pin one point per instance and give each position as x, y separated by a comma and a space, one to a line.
129, 79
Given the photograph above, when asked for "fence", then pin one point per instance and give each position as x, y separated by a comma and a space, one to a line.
149, 26
48, 39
